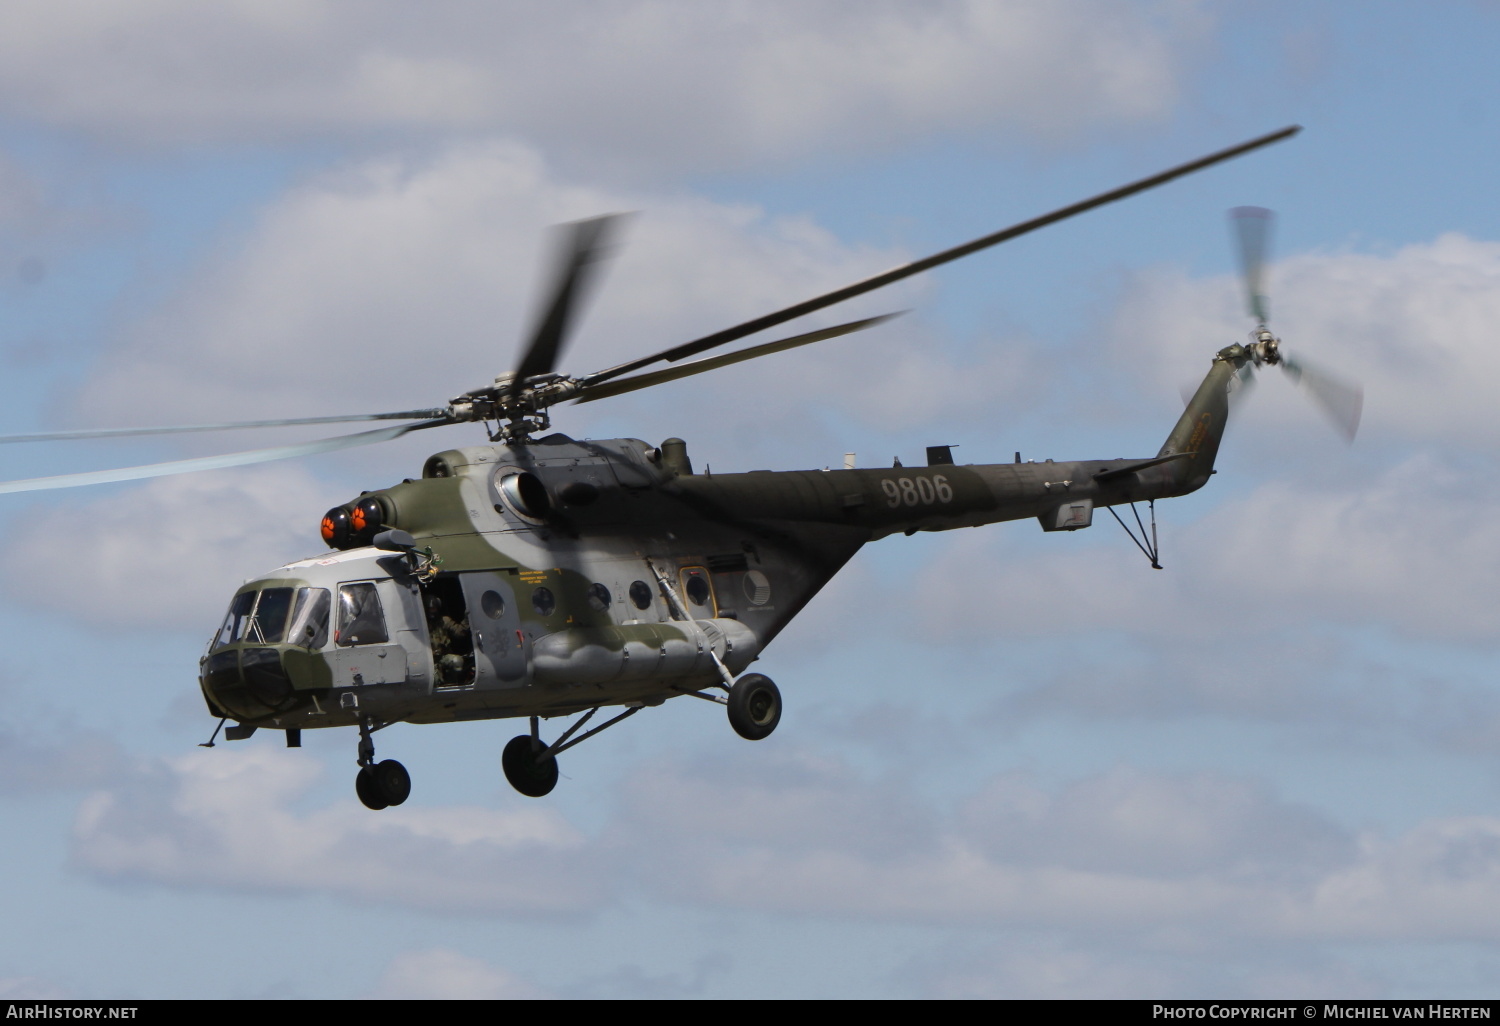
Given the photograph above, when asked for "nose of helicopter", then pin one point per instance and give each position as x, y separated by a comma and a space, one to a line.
266, 657
248, 682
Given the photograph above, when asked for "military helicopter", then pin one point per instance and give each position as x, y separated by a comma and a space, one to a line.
539, 576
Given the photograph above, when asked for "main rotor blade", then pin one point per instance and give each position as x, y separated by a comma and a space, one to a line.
53, 436
585, 245
1252, 227
895, 274
234, 459
604, 390
1342, 400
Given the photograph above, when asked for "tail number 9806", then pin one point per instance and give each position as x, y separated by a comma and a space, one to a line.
916, 491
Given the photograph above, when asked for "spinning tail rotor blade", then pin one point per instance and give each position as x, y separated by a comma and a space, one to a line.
1252, 228
234, 459
54, 436
585, 245
1241, 385
1342, 400
616, 387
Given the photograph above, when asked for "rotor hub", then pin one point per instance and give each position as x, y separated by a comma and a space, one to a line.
1264, 347
517, 410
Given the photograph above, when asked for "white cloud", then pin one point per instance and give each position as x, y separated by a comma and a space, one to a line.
649, 80
813, 838
1184, 860
1405, 548
396, 285
393, 284
1151, 825
441, 974
1190, 859
166, 554
1415, 325
1409, 549
226, 820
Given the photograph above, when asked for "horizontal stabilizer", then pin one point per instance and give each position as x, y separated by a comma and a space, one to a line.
1118, 472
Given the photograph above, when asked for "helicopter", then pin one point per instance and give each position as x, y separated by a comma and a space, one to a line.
539, 576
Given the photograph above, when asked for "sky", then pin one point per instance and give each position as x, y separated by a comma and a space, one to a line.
1010, 764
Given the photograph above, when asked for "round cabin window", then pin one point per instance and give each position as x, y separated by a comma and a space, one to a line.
543, 601
493, 604
640, 594
599, 597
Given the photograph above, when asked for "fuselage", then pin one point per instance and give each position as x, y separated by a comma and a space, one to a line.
563, 575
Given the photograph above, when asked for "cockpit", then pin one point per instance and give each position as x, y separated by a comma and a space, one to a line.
305, 628
273, 615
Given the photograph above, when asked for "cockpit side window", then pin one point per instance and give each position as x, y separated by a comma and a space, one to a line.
310, 618
360, 619
236, 619
268, 624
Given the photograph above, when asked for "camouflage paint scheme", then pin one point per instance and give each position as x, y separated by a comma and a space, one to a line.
765, 541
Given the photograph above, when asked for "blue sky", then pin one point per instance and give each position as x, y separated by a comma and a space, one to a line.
1011, 764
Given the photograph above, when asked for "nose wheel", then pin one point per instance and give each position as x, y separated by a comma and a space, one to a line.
379, 784
382, 785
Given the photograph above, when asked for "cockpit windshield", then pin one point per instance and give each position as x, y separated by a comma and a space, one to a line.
237, 619
310, 618
262, 617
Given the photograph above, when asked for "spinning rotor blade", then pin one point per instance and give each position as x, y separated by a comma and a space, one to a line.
1241, 385
54, 436
1252, 226
586, 244
1342, 400
234, 459
604, 390
916, 267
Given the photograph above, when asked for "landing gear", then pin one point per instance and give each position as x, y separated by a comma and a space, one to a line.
529, 766
368, 790
754, 706
379, 784
385, 784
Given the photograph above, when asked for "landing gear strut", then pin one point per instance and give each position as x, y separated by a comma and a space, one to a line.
531, 765
379, 784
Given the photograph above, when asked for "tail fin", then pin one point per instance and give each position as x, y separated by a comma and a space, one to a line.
1201, 426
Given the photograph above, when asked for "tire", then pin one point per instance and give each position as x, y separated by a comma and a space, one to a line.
368, 789
754, 706
532, 778
392, 781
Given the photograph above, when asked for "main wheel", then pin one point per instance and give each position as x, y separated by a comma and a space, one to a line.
393, 781
754, 706
532, 777
368, 789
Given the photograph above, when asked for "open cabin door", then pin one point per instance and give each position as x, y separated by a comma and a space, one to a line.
499, 654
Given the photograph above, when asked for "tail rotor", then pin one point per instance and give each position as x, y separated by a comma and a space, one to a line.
1340, 399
